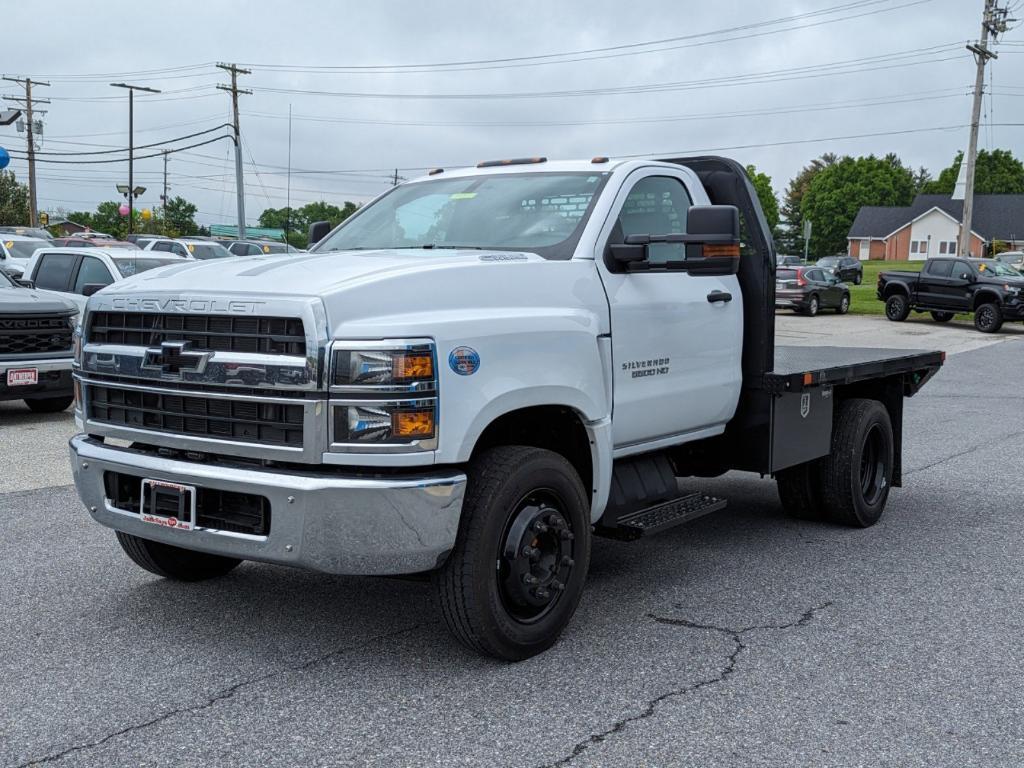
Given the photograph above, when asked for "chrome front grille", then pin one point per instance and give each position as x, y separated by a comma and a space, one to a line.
213, 333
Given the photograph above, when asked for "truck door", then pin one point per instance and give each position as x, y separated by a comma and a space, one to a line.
676, 338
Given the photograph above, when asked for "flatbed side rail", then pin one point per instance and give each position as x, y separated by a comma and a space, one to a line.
917, 368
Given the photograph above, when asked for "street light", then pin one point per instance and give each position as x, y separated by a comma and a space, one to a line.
136, 191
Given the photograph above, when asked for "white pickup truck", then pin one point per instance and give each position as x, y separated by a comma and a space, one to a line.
472, 376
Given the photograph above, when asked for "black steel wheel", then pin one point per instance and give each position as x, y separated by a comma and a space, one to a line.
516, 575
897, 307
942, 317
988, 318
857, 475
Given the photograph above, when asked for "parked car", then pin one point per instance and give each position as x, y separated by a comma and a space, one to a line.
259, 247
95, 235
190, 248
808, 289
36, 330
73, 242
77, 273
141, 241
992, 290
788, 261
1014, 259
847, 268
16, 250
38, 232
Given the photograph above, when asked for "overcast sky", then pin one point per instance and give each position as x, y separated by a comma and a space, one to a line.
909, 72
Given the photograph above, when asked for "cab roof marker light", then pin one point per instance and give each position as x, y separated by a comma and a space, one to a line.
514, 161
599, 159
435, 171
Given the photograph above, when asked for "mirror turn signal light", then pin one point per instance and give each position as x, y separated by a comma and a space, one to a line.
725, 251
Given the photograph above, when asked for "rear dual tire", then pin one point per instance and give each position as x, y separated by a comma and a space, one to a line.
851, 485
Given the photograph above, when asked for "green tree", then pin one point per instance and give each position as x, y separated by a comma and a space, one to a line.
995, 173
13, 200
766, 195
297, 220
792, 237
108, 219
838, 192
180, 218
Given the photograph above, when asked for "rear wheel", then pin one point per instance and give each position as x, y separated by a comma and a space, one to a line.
856, 476
812, 306
897, 307
988, 318
942, 317
799, 491
517, 572
844, 304
174, 562
49, 404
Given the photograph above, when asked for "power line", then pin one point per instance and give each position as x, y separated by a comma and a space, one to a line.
139, 146
121, 160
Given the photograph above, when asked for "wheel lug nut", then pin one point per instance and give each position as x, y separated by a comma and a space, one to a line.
557, 585
529, 551
568, 562
529, 578
541, 594
539, 527
567, 535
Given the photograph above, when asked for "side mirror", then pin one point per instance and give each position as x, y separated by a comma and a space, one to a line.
711, 245
967, 276
91, 288
25, 283
318, 231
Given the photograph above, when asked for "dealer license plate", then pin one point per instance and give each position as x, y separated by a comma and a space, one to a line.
170, 505
20, 377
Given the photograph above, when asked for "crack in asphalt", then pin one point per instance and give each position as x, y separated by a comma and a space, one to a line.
728, 668
960, 454
221, 695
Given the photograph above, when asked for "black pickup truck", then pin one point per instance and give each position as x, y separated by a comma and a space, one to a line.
36, 330
993, 291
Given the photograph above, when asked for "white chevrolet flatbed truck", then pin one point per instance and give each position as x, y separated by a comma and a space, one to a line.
471, 377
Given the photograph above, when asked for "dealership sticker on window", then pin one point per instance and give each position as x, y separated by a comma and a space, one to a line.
463, 196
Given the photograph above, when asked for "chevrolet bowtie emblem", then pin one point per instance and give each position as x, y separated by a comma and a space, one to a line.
173, 357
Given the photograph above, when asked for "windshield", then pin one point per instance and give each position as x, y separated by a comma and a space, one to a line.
539, 212
1010, 258
997, 268
134, 265
208, 251
828, 261
23, 249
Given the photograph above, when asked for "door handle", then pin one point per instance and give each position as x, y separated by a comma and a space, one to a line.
716, 296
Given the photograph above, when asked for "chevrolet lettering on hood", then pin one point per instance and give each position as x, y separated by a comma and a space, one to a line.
235, 306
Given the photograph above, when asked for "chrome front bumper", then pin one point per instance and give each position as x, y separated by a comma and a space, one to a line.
321, 520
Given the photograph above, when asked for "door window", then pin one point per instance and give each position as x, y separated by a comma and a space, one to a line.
940, 268
54, 271
657, 205
92, 272
179, 249
161, 246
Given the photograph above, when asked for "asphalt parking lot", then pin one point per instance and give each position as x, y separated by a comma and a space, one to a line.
744, 639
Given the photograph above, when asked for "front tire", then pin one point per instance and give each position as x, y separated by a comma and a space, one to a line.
897, 308
174, 562
844, 305
520, 561
942, 317
858, 279
49, 404
812, 306
988, 318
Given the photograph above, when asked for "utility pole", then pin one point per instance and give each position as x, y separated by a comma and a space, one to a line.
27, 83
239, 185
133, 191
394, 181
288, 198
994, 21
163, 197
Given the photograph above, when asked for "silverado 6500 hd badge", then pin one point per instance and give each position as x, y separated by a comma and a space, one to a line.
658, 366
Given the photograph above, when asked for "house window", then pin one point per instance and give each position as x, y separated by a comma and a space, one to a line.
942, 247
924, 247
952, 246
913, 246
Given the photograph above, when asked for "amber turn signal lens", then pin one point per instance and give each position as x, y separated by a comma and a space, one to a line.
412, 424
731, 251
413, 366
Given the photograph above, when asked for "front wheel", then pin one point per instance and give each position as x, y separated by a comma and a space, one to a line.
517, 572
988, 318
942, 317
174, 562
844, 305
49, 404
897, 307
858, 279
812, 306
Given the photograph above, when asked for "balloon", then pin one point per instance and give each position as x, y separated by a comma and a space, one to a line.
123, 210
5, 159
146, 214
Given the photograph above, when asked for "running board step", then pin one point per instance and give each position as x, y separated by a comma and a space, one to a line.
661, 517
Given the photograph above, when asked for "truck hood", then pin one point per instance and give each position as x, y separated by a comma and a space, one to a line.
17, 300
373, 294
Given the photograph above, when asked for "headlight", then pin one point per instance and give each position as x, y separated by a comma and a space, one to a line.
76, 339
383, 396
